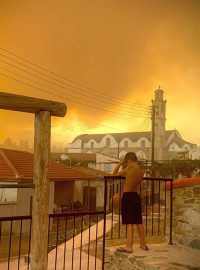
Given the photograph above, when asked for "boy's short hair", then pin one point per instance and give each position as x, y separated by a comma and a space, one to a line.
130, 156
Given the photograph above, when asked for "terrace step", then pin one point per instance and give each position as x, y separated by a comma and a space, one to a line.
159, 257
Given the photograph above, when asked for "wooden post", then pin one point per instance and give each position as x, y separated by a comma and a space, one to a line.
39, 241
43, 109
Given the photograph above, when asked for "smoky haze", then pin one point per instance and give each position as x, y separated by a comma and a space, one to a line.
121, 48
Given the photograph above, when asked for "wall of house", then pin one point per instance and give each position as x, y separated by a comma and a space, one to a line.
7, 210
102, 160
186, 212
24, 201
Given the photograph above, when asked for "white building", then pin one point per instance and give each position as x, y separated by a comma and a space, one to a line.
168, 143
195, 153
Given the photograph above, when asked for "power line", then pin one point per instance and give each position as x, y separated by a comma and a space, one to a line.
142, 126
70, 99
66, 79
82, 94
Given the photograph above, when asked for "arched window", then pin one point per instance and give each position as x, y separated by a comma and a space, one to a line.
126, 144
143, 143
107, 141
92, 145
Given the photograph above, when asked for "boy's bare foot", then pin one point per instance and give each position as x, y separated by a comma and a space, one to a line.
144, 247
125, 249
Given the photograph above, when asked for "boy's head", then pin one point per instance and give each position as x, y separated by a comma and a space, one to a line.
130, 156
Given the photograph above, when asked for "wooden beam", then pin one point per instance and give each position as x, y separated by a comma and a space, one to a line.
31, 105
17, 185
39, 241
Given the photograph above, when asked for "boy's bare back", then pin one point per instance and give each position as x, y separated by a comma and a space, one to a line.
134, 176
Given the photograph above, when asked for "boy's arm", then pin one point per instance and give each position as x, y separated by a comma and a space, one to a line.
116, 170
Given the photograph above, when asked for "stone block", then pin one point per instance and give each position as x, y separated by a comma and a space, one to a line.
195, 243
187, 194
178, 212
180, 232
191, 200
196, 191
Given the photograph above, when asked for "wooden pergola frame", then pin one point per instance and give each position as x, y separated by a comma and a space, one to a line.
43, 110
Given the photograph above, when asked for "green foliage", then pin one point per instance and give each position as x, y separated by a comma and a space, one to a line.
75, 163
174, 168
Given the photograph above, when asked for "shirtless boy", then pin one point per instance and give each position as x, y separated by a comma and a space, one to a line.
131, 201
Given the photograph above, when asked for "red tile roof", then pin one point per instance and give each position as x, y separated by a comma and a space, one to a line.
16, 164
6, 171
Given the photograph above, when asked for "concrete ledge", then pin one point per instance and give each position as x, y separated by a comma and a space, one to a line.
159, 257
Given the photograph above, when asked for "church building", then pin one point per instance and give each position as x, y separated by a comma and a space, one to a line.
168, 144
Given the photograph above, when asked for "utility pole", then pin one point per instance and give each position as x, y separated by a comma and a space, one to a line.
118, 147
153, 115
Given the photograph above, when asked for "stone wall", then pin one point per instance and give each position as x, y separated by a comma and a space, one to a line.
186, 215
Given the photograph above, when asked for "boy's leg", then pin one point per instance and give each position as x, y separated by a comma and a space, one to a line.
129, 243
130, 234
141, 233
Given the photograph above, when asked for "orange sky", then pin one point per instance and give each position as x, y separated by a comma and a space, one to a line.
121, 48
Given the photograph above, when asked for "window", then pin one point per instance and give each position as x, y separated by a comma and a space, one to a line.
92, 145
107, 167
107, 141
126, 144
143, 143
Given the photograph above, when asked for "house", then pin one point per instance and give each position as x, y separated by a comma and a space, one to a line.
105, 163
168, 143
67, 184
73, 156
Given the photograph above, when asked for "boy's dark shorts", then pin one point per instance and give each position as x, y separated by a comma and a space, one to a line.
131, 208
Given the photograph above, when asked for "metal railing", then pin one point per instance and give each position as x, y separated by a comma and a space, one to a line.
73, 241
15, 240
77, 239
157, 207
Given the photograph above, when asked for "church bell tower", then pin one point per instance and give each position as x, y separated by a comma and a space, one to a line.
160, 119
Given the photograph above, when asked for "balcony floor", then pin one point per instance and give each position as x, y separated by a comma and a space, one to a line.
159, 257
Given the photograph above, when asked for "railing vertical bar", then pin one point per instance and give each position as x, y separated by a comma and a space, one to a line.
120, 191
65, 242
147, 198
104, 224
159, 208
97, 220
48, 236
20, 241
165, 208
112, 208
29, 248
0, 229
74, 224
171, 212
152, 212
10, 243
81, 242
88, 265
57, 229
